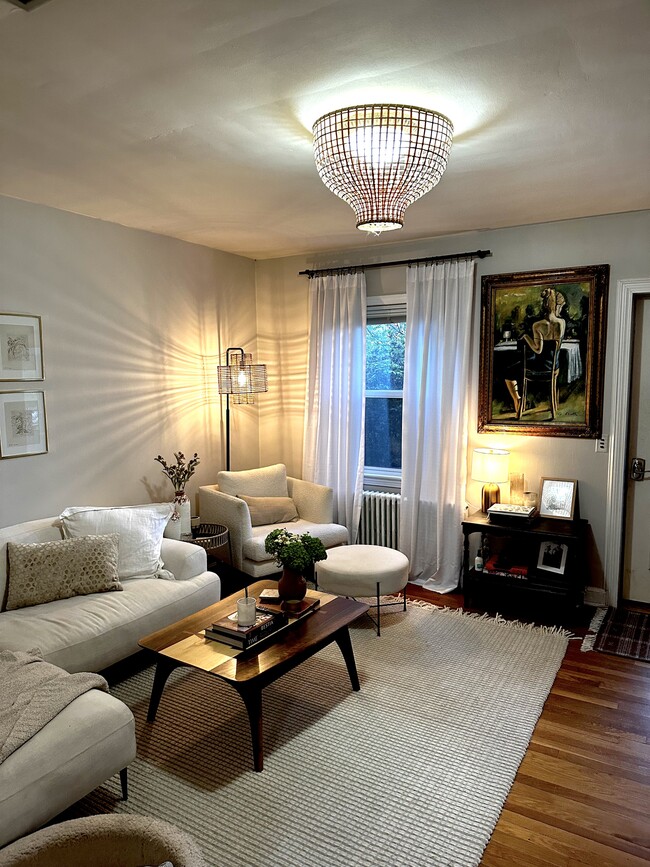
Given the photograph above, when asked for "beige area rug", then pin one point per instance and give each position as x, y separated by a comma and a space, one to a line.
412, 770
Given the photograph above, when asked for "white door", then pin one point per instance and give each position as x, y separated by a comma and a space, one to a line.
636, 572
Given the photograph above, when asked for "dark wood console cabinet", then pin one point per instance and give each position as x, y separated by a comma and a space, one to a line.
516, 548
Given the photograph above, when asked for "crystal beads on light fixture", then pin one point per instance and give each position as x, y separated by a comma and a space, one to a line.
381, 158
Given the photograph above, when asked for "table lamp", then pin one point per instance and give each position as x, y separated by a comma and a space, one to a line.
490, 466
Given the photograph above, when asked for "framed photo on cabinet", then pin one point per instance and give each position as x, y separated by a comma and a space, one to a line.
552, 557
23, 427
21, 347
557, 498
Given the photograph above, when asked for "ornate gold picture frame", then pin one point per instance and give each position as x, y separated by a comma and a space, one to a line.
542, 351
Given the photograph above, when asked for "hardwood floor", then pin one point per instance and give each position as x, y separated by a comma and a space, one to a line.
582, 793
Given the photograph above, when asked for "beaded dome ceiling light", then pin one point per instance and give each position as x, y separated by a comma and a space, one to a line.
381, 158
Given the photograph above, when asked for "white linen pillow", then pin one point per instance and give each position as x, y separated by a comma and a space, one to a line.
140, 529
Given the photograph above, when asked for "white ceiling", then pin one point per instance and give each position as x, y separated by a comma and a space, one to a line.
192, 118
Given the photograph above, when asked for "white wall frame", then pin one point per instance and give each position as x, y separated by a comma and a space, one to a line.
627, 290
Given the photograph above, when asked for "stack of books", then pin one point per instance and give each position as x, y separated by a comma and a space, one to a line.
294, 610
507, 513
227, 631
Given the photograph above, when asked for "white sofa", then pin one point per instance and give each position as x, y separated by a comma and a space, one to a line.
222, 504
93, 737
89, 633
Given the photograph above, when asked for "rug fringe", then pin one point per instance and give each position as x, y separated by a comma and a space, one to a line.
589, 640
497, 618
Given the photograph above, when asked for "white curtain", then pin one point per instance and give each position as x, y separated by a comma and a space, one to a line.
435, 413
334, 420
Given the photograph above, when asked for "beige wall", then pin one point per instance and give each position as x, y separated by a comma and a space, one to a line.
128, 321
133, 324
620, 240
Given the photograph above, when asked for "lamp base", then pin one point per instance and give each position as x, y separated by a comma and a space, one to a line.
491, 494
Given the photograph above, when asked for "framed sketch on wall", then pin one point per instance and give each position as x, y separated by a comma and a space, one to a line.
21, 347
23, 428
542, 357
557, 498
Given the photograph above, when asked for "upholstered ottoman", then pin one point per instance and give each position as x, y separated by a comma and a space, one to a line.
364, 570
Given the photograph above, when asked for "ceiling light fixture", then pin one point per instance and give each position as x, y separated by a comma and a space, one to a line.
381, 158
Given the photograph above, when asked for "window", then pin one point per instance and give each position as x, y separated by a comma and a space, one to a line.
385, 338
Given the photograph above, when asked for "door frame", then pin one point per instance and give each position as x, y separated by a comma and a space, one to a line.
627, 291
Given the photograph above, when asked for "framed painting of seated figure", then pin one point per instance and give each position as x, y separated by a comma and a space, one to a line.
542, 356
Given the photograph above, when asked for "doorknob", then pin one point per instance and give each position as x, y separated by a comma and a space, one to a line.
638, 472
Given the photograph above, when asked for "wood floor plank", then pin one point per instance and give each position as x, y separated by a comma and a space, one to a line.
588, 784
611, 763
604, 743
627, 834
562, 847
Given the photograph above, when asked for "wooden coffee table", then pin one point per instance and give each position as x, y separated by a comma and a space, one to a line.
251, 670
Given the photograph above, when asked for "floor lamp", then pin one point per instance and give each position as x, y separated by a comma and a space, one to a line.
241, 379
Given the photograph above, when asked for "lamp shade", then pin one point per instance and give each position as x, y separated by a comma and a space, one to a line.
241, 378
381, 158
490, 465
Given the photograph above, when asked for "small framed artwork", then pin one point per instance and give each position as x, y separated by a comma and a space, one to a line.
558, 498
21, 347
552, 557
23, 428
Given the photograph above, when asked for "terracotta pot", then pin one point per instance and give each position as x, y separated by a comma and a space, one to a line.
292, 586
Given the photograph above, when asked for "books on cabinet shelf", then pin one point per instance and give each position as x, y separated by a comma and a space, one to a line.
495, 566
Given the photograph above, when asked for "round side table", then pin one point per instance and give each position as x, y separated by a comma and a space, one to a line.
210, 536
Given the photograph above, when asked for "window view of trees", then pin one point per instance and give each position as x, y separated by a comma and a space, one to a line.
384, 382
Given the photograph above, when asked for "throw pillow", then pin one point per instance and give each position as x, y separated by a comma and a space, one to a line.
140, 529
270, 510
263, 482
44, 571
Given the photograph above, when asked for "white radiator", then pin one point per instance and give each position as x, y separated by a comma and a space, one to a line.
379, 519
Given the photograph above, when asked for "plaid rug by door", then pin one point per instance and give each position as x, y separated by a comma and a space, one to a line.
624, 633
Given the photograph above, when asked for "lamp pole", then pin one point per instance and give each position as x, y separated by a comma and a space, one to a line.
240, 351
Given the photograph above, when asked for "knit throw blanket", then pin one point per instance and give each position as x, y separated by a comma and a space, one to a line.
32, 693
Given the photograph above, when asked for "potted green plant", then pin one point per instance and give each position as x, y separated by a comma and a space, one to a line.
294, 552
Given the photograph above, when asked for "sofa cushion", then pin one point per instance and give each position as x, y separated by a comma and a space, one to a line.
86, 743
263, 482
140, 529
329, 534
44, 571
89, 633
270, 510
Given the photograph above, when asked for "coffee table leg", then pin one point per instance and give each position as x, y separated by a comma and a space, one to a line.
342, 638
164, 668
252, 698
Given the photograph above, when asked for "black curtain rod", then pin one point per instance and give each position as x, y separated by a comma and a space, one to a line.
475, 254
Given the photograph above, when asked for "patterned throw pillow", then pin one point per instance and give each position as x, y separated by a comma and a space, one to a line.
45, 571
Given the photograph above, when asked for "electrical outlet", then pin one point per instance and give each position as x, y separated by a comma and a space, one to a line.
602, 444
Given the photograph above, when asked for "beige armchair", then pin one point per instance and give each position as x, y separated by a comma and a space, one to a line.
273, 493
